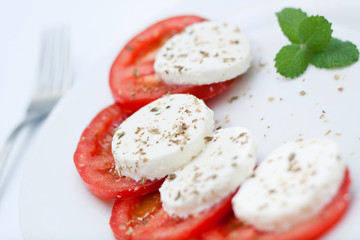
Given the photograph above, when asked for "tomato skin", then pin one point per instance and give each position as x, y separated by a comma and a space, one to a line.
95, 163
133, 81
123, 222
231, 228
158, 224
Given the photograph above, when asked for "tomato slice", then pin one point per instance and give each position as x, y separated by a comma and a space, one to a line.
95, 163
133, 81
231, 228
144, 218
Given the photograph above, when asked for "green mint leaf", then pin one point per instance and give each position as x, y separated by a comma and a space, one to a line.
289, 20
336, 54
315, 33
292, 60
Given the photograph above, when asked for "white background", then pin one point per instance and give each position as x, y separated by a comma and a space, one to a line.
95, 25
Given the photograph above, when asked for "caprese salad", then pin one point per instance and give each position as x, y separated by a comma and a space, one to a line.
173, 177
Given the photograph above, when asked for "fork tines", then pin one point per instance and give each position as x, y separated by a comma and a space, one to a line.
54, 71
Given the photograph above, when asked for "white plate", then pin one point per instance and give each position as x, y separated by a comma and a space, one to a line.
54, 202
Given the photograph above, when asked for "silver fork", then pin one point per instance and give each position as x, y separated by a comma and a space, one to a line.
54, 78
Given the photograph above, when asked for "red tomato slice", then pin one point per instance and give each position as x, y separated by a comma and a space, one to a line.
133, 81
231, 228
144, 218
95, 163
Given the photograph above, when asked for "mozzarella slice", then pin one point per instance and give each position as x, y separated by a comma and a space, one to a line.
291, 185
227, 160
161, 137
204, 53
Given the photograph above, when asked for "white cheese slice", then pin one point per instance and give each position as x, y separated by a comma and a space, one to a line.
204, 53
228, 159
161, 137
291, 185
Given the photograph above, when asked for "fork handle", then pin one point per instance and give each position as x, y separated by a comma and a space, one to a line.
9, 145
11, 140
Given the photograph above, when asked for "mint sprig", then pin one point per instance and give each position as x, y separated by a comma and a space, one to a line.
311, 43
336, 54
315, 33
289, 20
292, 60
